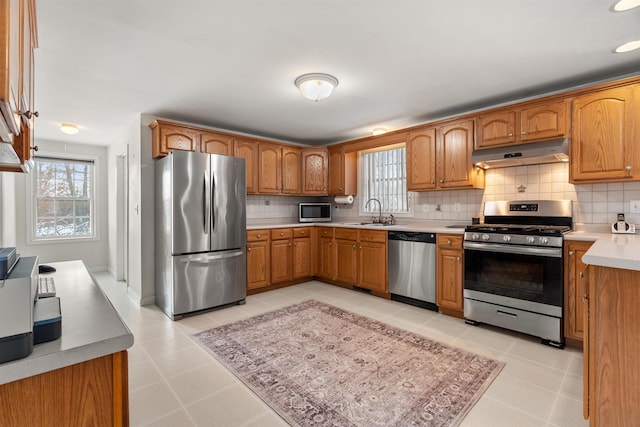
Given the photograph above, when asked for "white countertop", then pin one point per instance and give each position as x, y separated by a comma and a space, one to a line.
448, 227
91, 327
615, 250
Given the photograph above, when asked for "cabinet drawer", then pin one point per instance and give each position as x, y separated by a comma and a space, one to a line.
302, 232
453, 241
373, 236
346, 233
257, 235
325, 231
281, 233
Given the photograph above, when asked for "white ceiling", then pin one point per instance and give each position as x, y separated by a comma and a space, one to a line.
231, 64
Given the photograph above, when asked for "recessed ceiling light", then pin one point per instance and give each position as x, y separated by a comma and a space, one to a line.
623, 5
316, 86
379, 131
69, 128
628, 47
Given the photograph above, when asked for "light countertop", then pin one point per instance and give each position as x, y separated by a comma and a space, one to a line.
448, 227
91, 327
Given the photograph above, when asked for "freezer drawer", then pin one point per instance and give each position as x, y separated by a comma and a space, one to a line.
203, 281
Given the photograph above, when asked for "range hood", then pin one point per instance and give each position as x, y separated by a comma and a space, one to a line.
523, 154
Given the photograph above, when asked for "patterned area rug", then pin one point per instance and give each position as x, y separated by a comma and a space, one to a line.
319, 365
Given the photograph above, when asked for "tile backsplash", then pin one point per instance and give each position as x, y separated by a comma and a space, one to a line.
593, 203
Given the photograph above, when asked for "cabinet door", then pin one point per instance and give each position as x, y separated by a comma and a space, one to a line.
301, 257
602, 138
26, 61
281, 261
576, 281
10, 71
215, 143
373, 266
290, 170
174, 137
270, 168
342, 172
347, 261
495, 130
257, 264
543, 121
248, 150
315, 172
449, 274
327, 263
421, 160
455, 144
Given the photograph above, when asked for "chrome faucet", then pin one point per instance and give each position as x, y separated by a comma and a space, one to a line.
379, 209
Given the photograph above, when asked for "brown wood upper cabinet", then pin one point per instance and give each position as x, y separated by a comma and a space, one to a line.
342, 172
248, 150
315, 171
421, 160
605, 135
216, 143
454, 144
18, 39
169, 136
440, 158
535, 122
278, 169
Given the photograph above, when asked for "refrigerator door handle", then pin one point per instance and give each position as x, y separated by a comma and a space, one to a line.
213, 198
209, 257
205, 204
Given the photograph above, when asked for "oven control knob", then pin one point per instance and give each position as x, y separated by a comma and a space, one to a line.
475, 236
544, 240
506, 238
485, 237
531, 239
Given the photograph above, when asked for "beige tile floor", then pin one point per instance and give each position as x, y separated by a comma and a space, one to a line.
174, 382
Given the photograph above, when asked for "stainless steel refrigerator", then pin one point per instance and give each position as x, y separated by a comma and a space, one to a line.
200, 223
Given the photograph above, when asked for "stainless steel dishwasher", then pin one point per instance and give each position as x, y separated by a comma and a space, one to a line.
412, 268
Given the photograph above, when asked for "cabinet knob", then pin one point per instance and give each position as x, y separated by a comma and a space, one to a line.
448, 241
510, 134
441, 181
584, 297
570, 253
330, 244
29, 114
282, 233
360, 247
258, 236
523, 133
35, 148
581, 275
302, 232
354, 246
628, 169
458, 258
248, 249
289, 245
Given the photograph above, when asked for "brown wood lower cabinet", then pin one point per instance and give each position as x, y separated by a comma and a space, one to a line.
91, 393
576, 279
612, 348
326, 254
449, 274
361, 259
302, 252
258, 259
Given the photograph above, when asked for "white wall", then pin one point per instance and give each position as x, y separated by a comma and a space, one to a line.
94, 253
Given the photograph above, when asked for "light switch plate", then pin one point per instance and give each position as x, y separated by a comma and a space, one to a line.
634, 206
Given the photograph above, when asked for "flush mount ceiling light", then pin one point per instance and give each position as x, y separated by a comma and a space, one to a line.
378, 131
623, 5
69, 128
628, 47
316, 86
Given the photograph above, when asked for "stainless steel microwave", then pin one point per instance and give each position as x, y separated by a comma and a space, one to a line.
314, 212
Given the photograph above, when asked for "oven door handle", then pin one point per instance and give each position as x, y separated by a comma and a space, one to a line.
512, 249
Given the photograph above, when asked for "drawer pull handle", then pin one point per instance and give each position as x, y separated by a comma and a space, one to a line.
505, 313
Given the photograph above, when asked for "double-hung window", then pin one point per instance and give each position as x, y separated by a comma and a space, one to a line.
384, 177
64, 199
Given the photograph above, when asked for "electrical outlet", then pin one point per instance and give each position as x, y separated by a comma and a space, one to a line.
252, 209
456, 207
634, 206
425, 207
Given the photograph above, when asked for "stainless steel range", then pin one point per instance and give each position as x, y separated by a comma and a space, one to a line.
513, 267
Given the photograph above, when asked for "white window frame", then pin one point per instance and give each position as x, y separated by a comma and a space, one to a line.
31, 202
373, 206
